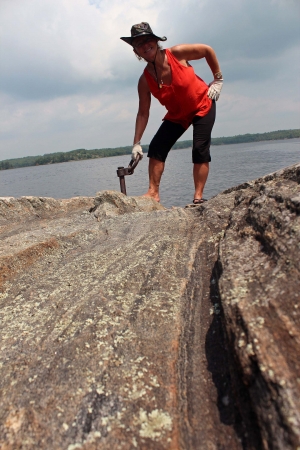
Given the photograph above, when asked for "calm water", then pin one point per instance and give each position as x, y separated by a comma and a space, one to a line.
231, 165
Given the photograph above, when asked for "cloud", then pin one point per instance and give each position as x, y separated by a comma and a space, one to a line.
68, 81
247, 35
64, 46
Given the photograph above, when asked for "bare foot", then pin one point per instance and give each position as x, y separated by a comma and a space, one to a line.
152, 195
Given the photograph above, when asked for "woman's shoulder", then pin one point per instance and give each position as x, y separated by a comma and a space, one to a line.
177, 49
179, 52
143, 84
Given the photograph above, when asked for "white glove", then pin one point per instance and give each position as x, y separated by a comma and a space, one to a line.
215, 88
137, 150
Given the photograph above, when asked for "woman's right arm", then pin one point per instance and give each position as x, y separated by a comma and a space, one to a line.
144, 109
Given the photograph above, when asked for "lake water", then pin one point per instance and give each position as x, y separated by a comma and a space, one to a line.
231, 165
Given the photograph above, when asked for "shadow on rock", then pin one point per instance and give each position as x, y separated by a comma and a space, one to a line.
232, 394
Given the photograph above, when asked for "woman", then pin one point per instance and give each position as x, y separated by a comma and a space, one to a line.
170, 78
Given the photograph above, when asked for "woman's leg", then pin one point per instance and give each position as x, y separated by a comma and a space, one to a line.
155, 171
200, 173
202, 127
161, 144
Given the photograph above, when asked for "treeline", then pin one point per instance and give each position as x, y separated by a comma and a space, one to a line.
244, 138
270, 136
73, 155
81, 154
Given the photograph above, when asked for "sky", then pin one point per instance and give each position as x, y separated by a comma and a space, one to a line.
67, 81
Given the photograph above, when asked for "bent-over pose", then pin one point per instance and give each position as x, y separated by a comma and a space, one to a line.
170, 78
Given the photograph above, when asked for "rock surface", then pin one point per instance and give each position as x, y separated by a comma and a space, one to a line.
259, 278
127, 325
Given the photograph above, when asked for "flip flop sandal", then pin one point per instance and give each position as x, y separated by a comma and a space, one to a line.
196, 202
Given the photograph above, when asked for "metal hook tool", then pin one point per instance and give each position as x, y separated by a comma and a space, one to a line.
123, 171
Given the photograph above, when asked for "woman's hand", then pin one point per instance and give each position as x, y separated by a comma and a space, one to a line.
136, 150
215, 88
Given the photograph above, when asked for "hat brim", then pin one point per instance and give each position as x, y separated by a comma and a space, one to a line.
130, 39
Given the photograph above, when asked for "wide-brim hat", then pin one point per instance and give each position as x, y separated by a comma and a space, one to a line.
141, 29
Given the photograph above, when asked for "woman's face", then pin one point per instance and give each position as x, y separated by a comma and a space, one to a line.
145, 47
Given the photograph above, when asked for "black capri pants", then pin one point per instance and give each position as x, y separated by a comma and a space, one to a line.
169, 132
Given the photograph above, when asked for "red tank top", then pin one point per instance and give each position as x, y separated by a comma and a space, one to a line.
185, 98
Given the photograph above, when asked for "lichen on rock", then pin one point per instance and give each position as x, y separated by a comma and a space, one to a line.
183, 335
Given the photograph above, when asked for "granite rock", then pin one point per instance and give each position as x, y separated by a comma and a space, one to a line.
127, 325
111, 203
259, 273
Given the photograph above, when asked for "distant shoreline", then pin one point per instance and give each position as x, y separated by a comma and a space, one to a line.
83, 154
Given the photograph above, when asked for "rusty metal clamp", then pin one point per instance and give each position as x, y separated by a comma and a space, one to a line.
123, 171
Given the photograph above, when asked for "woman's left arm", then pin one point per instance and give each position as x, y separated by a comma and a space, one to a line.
190, 52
